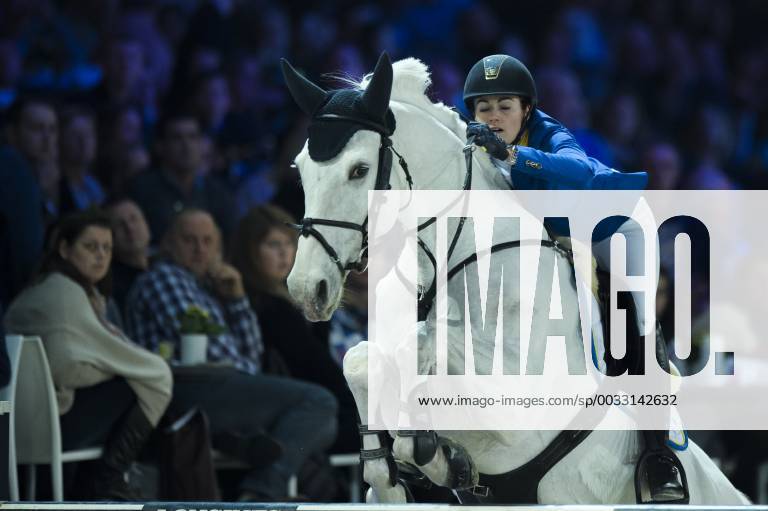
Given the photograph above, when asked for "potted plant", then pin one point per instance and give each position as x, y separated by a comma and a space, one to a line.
195, 325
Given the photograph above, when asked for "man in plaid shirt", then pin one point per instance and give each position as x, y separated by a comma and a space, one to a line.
168, 289
238, 399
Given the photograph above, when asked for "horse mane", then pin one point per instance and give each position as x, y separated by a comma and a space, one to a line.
411, 78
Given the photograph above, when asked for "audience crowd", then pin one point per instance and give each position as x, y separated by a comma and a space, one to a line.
172, 117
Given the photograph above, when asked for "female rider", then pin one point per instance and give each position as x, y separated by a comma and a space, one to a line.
535, 152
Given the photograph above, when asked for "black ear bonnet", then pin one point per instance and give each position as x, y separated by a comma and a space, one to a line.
339, 114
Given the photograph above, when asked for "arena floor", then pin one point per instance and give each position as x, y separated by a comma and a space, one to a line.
231, 506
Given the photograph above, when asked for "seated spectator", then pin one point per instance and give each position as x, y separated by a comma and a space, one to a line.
263, 251
5, 262
77, 146
31, 134
131, 247
122, 154
233, 392
349, 325
11, 65
178, 183
664, 167
210, 100
109, 391
125, 80
5, 363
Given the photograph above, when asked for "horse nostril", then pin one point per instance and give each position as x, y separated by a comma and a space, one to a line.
322, 294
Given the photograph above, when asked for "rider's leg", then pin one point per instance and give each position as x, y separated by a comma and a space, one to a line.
658, 469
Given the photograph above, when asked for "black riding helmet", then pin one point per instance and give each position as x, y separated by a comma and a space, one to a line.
499, 75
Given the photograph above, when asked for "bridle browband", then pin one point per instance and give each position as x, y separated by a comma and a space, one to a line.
384, 172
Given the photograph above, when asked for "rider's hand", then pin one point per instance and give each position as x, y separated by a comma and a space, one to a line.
487, 139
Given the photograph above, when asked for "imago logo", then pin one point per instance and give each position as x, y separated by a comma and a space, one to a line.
555, 284
565, 294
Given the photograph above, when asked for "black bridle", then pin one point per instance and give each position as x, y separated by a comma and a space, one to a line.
384, 172
426, 297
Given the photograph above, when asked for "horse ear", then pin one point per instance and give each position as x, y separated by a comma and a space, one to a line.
376, 96
306, 94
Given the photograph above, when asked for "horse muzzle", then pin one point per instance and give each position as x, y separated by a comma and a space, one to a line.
317, 295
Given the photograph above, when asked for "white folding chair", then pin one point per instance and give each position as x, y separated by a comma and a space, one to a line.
352, 462
35, 417
7, 393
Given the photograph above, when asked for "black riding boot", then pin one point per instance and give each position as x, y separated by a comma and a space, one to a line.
108, 479
659, 475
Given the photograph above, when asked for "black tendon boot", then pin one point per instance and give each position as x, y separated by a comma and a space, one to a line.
659, 475
109, 480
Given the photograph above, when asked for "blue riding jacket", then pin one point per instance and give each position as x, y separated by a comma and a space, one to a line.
550, 158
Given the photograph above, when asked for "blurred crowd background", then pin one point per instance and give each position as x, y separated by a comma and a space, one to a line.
673, 87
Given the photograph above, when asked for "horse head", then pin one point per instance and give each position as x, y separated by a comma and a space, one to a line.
347, 154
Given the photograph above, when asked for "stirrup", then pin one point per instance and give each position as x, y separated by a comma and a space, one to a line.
643, 478
383, 451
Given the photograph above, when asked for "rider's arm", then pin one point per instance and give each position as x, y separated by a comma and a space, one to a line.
562, 161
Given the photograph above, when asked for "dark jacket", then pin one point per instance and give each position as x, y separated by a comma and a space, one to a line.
308, 358
22, 225
159, 197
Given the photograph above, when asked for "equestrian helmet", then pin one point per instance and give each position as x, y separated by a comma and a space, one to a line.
499, 75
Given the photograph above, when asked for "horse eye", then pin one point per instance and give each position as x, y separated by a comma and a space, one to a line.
358, 172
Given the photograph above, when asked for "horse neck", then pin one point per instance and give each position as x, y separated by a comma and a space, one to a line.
433, 152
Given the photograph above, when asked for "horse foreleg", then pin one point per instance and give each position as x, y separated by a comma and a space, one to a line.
379, 469
444, 462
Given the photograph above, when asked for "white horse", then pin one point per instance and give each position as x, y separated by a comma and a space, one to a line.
430, 137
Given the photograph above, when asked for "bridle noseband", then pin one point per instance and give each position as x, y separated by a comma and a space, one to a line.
306, 226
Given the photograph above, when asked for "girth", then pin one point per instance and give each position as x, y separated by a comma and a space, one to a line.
521, 485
